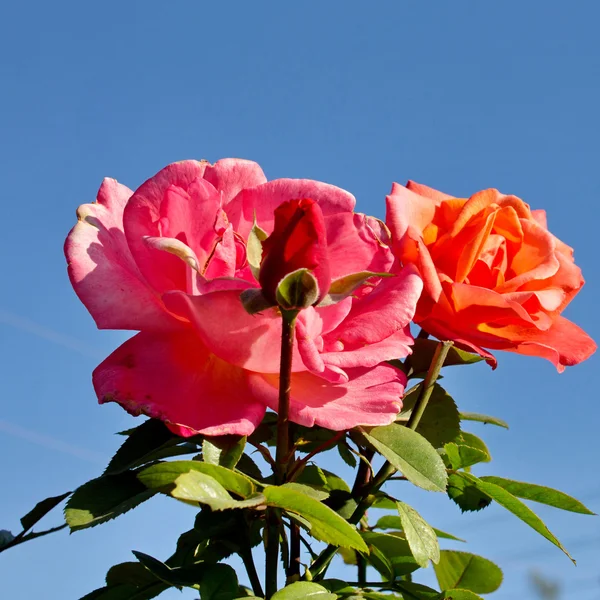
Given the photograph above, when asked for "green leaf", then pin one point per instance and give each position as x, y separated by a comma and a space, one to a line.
128, 592
215, 581
339, 587
416, 591
149, 441
440, 422
315, 493
41, 509
303, 589
459, 595
325, 524
379, 560
105, 498
486, 419
410, 453
515, 506
394, 522
344, 287
248, 467
159, 569
129, 581
385, 502
420, 536
165, 474
468, 497
254, 248
466, 450
467, 571
539, 493
346, 455
197, 487
219, 582
424, 349
297, 290
462, 456
129, 572
395, 549
342, 502
224, 450
322, 479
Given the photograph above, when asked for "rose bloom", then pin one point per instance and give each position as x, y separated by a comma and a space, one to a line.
169, 260
298, 241
494, 276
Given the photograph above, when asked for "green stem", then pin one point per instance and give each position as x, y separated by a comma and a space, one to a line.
282, 454
248, 560
271, 551
293, 572
363, 477
320, 565
283, 457
437, 362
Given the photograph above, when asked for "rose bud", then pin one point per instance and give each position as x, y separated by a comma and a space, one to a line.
294, 271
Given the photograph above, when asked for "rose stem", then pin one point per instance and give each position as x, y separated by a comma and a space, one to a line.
320, 565
363, 477
283, 457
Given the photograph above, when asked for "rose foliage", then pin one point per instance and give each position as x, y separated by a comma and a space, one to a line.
273, 329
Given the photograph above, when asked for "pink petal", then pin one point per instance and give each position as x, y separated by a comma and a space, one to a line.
309, 346
405, 209
264, 199
174, 378
249, 341
334, 314
370, 397
353, 246
223, 260
232, 175
397, 345
428, 192
175, 203
103, 272
389, 308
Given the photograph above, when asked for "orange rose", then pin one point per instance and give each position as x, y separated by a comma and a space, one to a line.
494, 276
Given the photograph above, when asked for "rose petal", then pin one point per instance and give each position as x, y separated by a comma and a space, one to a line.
383, 312
564, 344
103, 272
174, 378
405, 208
353, 247
398, 345
428, 192
370, 397
232, 175
249, 341
175, 203
262, 201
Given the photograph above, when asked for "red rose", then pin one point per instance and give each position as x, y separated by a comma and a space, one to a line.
299, 241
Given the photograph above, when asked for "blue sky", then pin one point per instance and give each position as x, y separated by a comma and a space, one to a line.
461, 96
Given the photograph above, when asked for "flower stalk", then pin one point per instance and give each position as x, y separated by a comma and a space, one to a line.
283, 455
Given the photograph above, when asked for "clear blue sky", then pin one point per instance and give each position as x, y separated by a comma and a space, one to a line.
458, 95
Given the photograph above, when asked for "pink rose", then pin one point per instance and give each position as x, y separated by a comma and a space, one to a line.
170, 261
